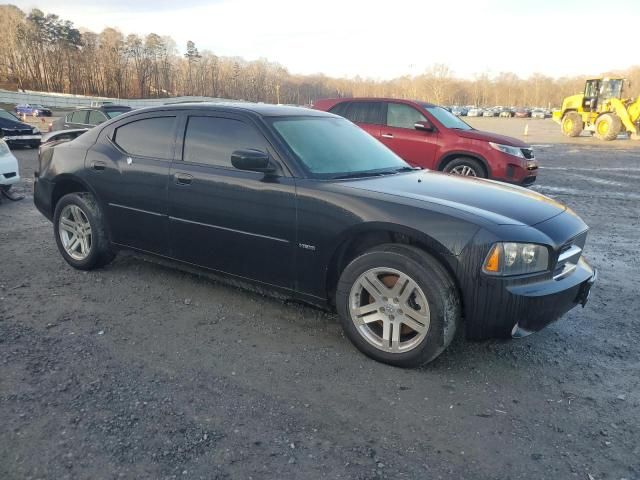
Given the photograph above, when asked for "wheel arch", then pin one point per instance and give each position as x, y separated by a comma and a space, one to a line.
364, 237
448, 156
68, 183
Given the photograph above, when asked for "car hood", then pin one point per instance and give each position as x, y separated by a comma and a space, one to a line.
496, 202
491, 137
10, 124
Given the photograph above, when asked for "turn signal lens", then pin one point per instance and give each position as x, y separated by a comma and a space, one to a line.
492, 263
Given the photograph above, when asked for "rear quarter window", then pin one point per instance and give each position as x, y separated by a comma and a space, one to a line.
149, 137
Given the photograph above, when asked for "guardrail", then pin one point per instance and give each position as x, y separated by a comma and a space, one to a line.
65, 100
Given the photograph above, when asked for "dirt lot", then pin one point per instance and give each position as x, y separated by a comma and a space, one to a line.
143, 371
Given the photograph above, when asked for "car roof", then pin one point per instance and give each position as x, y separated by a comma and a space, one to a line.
260, 109
376, 99
104, 108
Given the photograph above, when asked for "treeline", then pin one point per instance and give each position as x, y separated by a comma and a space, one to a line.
46, 53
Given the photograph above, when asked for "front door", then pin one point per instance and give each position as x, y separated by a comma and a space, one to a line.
417, 147
130, 175
229, 220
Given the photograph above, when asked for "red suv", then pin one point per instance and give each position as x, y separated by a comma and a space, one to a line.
429, 136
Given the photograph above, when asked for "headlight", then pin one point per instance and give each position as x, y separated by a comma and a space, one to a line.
509, 258
4, 148
36, 130
515, 151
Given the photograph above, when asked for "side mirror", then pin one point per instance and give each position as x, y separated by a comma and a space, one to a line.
252, 160
425, 126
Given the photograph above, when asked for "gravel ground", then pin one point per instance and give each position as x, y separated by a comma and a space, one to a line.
143, 371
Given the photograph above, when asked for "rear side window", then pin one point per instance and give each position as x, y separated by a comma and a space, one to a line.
403, 116
79, 117
360, 112
149, 137
211, 140
96, 117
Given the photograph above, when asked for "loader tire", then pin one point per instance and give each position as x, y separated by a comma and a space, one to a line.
608, 126
572, 124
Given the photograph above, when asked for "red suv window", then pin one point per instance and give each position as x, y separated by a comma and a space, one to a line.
400, 115
360, 112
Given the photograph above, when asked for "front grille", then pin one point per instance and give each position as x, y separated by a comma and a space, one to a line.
16, 131
568, 256
527, 152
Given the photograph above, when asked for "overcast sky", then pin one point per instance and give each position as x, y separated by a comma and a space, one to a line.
384, 39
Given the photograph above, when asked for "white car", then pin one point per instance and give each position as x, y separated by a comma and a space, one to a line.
9, 174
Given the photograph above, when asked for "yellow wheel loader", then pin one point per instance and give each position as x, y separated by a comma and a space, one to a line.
601, 110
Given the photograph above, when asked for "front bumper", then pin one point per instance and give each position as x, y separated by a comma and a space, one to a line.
504, 307
545, 309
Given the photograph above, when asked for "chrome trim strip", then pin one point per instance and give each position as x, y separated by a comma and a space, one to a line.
566, 270
136, 209
183, 220
572, 252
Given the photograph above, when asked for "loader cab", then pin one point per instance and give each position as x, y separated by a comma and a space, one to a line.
598, 90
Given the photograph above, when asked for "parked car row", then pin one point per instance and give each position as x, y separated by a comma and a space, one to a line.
17, 133
308, 204
503, 112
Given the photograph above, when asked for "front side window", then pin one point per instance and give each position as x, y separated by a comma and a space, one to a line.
96, 117
334, 147
149, 137
212, 140
400, 115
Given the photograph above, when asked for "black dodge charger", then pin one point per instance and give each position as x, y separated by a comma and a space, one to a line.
306, 203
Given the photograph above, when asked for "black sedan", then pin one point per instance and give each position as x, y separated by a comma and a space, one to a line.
306, 203
17, 133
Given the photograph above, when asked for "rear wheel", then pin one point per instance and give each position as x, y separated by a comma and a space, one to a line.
608, 126
465, 166
80, 233
398, 305
572, 124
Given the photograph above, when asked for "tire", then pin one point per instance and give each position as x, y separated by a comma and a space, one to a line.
82, 209
465, 166
572, 124
433, 301
608, 126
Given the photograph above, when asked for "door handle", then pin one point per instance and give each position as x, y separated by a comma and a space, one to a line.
183, 178
387, 135
98, 166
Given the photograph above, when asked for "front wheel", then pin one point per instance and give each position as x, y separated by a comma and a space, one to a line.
608, 126
80, 234
398, 305
465, 166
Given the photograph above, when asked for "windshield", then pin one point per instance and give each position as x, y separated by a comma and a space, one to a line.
115, 113
8, 116
447, 119
335, 147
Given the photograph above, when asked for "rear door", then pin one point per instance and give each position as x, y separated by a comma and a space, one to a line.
230, 220
366, 114
130, 173
416, 147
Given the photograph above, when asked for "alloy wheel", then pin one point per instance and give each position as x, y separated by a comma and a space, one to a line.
464, 170
389, 310
75, 232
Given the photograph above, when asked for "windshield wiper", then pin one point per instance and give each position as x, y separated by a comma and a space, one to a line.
379, 173
362, 174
